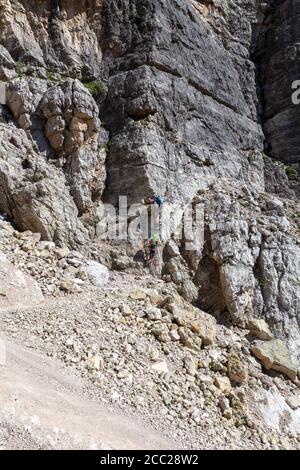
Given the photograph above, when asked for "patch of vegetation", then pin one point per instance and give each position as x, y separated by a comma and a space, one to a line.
104, 147
208, 162
21, 68
38, 177
251, 156
50, 76
96, 88
263, 281
291, 172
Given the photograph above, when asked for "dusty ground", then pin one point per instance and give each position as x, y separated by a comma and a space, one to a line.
45, 406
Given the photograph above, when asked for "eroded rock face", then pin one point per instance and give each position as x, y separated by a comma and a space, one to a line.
71, 116
248, 266
61, 122
176, 122
278, 54
59, 35
33, 193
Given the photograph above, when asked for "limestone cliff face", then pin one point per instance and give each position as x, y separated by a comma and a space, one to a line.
277, 53
54, 34
182, 96
190, 99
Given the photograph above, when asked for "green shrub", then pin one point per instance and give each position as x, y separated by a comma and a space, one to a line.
208, 162
105, 147
21, 68
263, 281
50, 76
96, 88
291, 172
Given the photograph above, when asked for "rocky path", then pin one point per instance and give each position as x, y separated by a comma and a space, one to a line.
46, 406
128, 372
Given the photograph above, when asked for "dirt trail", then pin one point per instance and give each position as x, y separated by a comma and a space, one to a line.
44, 405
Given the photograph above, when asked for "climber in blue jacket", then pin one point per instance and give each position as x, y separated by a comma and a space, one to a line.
155, 200
158, 200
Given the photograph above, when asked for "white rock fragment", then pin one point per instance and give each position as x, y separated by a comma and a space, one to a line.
161, 367
98, 274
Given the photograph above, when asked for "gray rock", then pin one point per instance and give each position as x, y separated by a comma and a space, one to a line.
293, 402
71, 114
237, 368
136, 100
5, 58
153, 313
33, 193
98, 274
63, 116
160, 367
274, 42
190, 365
275, 355
260, 329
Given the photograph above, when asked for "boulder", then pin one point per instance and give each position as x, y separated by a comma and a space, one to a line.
275, 355
138, 294
190, 365
223, 383
237, 369
260, 329
97, 273
293, 402
200, 323
189, 339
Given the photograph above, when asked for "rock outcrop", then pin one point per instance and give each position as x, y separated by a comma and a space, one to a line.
33, 193
181, 99
274, 355
277, 54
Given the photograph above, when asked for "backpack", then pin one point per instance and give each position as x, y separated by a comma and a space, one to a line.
159, 200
